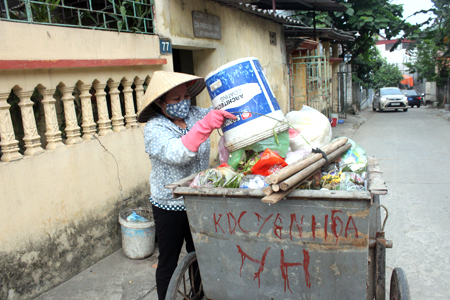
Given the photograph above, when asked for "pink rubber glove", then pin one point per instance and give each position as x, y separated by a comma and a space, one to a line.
203, 128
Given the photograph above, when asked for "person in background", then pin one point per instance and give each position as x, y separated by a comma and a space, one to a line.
177, 140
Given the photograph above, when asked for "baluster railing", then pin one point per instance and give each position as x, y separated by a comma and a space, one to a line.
130, 114
139, 89
8, 143
88, 124
117, 118
53, 134
72, 129
104, 123
31, 137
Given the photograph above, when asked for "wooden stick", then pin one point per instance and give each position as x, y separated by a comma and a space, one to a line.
304, 162
275, 187
180, 182
306, 172
268, 190
276, 197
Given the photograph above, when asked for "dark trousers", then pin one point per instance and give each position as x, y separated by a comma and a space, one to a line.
172, 229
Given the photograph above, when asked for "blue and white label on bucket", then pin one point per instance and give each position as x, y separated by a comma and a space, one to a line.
236, 96
242, 89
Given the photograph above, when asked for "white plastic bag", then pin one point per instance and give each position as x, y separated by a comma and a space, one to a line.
292, 157
253, 182
313, 126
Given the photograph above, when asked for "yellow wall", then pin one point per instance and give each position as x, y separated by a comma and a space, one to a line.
54, 42
60, 208
60, 43
243, 35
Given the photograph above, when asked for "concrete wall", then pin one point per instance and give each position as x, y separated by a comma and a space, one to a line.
243, 35
60, 208
22, 41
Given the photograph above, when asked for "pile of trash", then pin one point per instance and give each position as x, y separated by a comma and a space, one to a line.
248, 167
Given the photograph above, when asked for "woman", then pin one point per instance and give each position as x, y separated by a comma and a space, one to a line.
177, 141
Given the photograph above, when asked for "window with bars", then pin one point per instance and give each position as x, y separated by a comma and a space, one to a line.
114, 15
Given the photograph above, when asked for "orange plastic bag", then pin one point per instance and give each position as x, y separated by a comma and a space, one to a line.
269, 163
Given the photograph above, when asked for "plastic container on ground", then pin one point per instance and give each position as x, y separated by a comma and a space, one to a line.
334, 119
138, 238
240, 87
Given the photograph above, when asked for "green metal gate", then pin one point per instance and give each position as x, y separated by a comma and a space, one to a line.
310, 82
342, 90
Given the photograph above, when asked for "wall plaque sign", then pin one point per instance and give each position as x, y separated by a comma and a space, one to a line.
206, 26
165, 46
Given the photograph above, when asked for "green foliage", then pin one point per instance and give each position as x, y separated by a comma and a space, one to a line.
41, 12
431, 60
387, 75
127, 13
370, 18
18, 13
375, 72
424, 62
368, 63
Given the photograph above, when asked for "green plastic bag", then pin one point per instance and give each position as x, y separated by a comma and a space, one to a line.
281, 148
354, 159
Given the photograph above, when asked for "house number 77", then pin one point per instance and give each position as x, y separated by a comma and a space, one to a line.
165, 46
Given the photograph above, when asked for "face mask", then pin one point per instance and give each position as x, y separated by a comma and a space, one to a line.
180, 109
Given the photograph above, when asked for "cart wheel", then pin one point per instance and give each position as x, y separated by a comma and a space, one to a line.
399, 286
186, 282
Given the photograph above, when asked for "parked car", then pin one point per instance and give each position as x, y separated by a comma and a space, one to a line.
414, 99
389, 98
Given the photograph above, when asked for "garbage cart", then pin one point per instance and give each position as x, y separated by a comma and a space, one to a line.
314, 244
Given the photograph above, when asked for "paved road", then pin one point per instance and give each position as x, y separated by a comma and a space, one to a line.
413, 151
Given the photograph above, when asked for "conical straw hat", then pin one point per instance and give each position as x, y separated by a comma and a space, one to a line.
161, 83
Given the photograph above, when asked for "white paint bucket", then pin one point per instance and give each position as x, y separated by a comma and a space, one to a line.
138, 238
240, 87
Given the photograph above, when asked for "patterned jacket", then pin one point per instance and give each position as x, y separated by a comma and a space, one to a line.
170, 159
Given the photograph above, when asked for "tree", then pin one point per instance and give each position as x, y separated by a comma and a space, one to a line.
375, 72
432, 58
369, 18
425, 61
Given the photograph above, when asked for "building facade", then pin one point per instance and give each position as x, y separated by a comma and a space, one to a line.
71, 149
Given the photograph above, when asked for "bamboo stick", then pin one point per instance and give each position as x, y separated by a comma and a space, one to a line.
268, 190
306, 172
275, 187
276, 197
304, 162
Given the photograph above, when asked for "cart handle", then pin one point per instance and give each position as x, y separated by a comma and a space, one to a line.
385, 219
